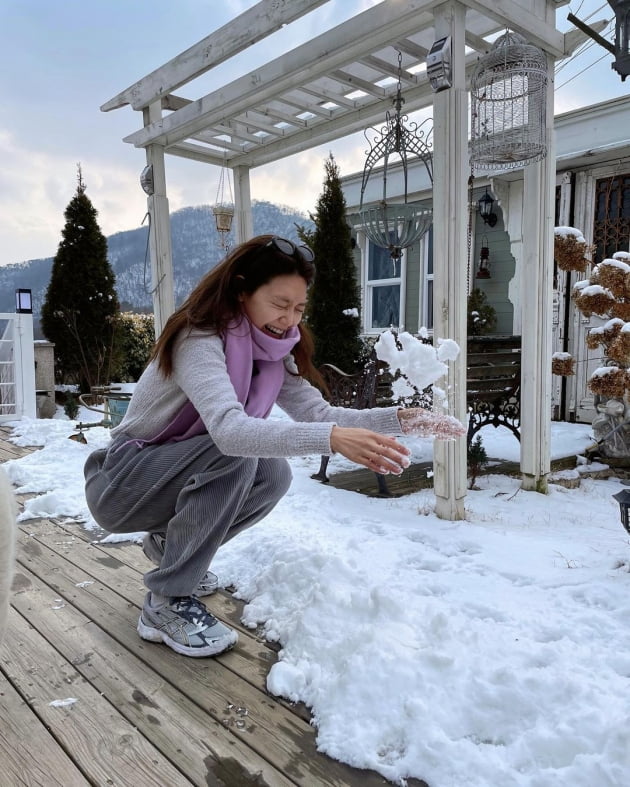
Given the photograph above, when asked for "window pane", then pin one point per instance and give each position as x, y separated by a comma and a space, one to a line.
386, 306
381, 265
430, 252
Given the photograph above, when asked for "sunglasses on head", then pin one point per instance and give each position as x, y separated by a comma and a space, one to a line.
290, 249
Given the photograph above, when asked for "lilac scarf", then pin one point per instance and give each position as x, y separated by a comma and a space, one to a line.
255, 365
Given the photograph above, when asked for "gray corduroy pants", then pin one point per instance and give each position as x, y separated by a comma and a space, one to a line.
188, 490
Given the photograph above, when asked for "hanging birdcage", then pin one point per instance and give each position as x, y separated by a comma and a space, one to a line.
508, 105
223, 208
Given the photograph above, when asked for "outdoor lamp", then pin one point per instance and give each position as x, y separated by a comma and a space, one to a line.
483, 272
23, 302
622, 37
623, 498
439, 68
146, 180
485, 209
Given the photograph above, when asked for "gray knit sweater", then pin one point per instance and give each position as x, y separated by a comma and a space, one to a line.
200, 375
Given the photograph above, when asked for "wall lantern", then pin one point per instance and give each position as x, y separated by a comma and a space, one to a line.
146, 180
622, 37
483, 272
395, 226
623, 498
23, 302
439, 68
485, 210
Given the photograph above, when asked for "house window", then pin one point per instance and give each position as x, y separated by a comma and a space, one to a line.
611, 228
383, 289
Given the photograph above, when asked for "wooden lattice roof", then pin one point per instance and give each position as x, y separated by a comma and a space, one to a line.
331, 86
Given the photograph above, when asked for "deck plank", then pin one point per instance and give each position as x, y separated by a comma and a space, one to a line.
272, 731
104, 745
30, 755
204, 751
203, 735
253, 657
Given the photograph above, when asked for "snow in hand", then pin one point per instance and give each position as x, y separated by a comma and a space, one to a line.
493, 652
419, 365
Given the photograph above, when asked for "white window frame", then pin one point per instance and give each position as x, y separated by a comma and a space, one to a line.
368, 286
425, 304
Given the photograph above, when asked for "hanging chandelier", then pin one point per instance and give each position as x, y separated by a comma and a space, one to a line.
396, 226
223, 208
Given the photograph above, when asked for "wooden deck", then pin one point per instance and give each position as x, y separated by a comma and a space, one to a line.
142, 715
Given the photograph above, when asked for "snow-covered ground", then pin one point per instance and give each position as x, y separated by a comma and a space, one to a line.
491, 652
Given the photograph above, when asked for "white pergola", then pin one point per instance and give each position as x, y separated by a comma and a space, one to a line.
336, 84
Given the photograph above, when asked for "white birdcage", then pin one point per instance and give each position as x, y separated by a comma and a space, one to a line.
508, 105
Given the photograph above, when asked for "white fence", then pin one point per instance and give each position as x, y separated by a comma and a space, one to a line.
17, 367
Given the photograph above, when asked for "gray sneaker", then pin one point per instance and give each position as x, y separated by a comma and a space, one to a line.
153, 548
186, 626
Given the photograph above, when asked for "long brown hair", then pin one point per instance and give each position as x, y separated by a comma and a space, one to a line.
214, 302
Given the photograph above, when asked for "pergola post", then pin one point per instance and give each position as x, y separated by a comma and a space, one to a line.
450, 162
159, 232
244, 229
537, 312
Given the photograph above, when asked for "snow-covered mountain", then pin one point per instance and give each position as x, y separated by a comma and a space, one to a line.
196, 249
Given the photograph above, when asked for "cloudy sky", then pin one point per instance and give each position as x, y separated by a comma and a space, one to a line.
60, 61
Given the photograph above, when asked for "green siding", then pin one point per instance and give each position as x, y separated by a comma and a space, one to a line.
502, 268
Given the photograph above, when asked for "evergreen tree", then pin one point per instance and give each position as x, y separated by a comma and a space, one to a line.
80, 310
332, 311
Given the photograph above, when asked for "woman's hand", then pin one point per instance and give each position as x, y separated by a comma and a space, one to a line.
370, 449
420, 422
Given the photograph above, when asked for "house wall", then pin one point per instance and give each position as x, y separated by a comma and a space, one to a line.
502, 269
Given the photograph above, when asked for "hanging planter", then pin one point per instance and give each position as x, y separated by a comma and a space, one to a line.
223, 208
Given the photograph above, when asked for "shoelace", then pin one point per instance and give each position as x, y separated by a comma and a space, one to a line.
191, 606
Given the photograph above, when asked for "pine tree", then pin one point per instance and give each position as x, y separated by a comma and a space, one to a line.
333, 308
80, 309
477, 460
482, 317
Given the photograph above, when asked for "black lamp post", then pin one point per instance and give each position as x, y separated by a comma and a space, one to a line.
623, 498
622, 37
23, 302
485, 210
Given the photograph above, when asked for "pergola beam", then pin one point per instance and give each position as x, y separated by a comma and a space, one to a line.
316, 58
535, 29
251, 26
383, 67
343, 124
